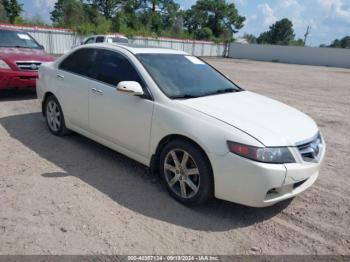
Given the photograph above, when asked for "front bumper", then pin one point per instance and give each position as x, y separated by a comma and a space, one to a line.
17, 79
257, 184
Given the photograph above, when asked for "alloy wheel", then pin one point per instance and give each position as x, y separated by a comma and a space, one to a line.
53, 115
182, 173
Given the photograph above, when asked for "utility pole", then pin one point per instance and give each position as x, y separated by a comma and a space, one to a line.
307, 34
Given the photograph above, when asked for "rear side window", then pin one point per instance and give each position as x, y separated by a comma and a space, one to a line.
100, 39
82, 62
114, 68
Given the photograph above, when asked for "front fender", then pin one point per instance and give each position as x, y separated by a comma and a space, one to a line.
209, 133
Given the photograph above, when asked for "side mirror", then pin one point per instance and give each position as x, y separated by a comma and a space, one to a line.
42, 47
130, 88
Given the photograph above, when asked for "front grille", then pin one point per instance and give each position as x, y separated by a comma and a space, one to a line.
29, 65
310, 151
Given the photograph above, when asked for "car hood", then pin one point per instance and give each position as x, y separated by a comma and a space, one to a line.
269, 121
24, 54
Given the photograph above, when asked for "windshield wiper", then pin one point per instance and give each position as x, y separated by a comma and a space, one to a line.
185, 96
223, 91
20, 46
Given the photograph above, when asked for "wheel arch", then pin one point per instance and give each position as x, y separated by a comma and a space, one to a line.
167, 139
45, 97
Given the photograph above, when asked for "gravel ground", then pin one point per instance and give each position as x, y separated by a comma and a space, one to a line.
72, 196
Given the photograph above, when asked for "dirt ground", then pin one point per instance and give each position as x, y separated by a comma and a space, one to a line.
72, 196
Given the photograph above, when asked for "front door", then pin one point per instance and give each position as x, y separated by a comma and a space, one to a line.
119, 118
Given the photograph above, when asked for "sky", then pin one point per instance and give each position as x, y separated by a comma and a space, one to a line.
329, 19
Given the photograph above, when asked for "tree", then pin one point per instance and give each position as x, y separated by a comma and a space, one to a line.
220, 17
68, 13
251, 39
13, 9
342, 43
108, 8
159, 15
204, 33
280, 33
298, 42
3, 14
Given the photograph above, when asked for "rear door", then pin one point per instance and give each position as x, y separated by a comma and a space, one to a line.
75, 80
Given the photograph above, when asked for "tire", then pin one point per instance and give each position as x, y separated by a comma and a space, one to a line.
188, 179
54, 117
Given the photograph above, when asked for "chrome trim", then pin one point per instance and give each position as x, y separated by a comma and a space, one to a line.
309, 140
28, 65
311, 149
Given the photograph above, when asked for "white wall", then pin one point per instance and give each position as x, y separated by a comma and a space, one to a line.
294, 55
197, 48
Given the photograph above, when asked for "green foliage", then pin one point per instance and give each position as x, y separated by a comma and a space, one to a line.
251, 39
342, 43
13, 9
298, 42
107, 8
103, 26
217, 15
264, 38
280, 33
204, 33
68, 13
207, 19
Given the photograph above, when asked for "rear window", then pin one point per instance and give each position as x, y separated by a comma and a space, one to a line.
82, 62
100, 39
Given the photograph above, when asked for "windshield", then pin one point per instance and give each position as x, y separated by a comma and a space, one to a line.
182, 76
17, 39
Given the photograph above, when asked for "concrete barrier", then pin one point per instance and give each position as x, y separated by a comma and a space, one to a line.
333, 57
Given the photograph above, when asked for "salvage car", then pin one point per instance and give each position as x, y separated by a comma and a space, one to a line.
20, 59
205, 136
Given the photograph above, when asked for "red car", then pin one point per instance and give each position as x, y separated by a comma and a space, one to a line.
20, 59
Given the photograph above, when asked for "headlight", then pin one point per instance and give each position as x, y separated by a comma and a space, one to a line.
4, 65
272, 155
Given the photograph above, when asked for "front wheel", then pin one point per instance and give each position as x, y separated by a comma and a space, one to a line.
186, 173
54, 117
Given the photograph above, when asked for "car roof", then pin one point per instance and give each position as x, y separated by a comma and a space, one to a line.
137, 49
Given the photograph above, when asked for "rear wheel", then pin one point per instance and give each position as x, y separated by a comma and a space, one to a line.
54, 117
186, 172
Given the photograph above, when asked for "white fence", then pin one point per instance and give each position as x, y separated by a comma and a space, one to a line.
294, 55
197, 48
59, 41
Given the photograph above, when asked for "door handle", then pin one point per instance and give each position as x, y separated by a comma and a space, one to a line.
60, 76
96, 91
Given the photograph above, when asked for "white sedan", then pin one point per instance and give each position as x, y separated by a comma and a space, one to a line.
204, 135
